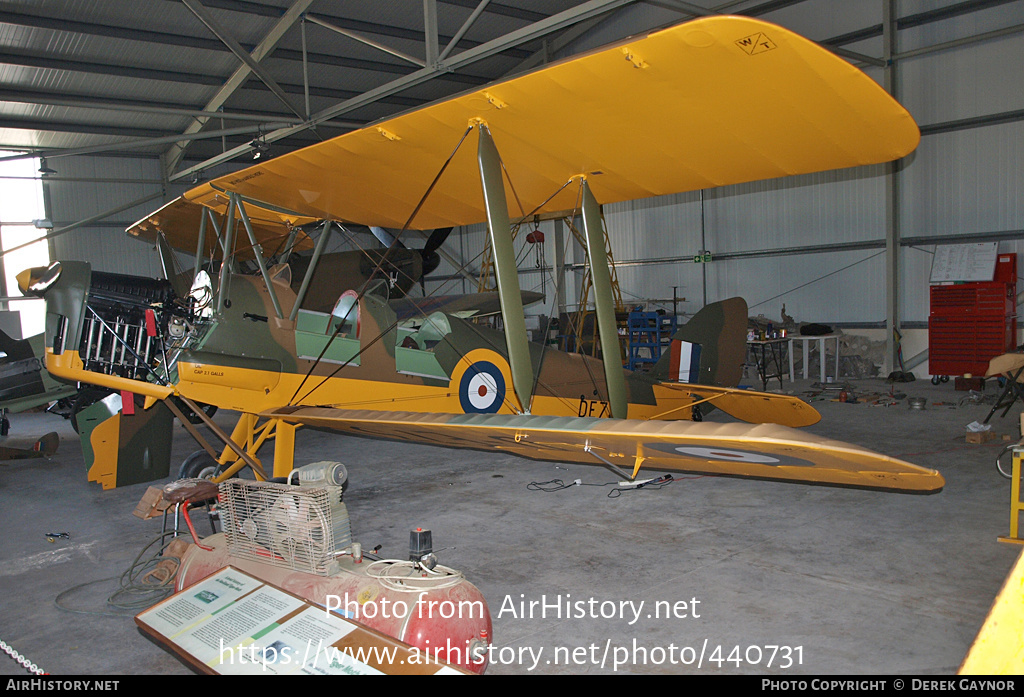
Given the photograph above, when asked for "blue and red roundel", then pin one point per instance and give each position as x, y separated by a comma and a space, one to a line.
482, 388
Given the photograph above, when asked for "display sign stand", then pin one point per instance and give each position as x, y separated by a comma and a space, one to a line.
231, 623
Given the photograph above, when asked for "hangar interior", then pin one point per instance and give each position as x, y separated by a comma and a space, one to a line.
110, 110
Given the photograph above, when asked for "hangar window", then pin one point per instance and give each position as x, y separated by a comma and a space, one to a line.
21, 211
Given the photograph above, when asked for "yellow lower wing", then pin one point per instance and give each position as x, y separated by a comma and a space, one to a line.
761, 451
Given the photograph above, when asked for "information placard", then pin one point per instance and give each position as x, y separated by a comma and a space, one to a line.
231, 623
957, 263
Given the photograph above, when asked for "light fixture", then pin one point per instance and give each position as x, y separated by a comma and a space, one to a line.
43, 169
43, 224
259, 147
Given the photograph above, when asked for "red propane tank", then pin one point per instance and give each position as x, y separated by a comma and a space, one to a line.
449, 621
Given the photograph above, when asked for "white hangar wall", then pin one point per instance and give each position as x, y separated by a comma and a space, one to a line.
88, 186
966, 180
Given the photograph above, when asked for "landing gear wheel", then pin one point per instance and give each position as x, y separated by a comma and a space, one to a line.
199, 465
696, 414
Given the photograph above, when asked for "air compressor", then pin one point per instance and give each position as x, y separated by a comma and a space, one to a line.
297, 537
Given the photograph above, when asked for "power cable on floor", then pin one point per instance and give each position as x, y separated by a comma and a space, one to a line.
559, 484
134, 595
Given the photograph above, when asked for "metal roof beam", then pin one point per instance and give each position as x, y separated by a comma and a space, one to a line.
382, 29
293, 14
582, 12
503, 10
463, 29
107, 104
432, 45
34, 124
47, 63
267, 45
187, 40
270, 11
916, 20
363, 40
123, 145
542, 56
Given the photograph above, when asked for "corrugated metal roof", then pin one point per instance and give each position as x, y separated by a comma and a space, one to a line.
78, 73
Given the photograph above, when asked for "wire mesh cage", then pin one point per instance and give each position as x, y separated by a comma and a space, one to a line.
294, 527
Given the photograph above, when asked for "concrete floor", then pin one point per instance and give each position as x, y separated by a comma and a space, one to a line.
853, 582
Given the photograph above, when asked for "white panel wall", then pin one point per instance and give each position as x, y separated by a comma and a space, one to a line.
88, 186
961, 182
965, 182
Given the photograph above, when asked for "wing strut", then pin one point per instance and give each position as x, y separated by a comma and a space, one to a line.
201, 242
320, 244
228, 244
505, 269
604, 305
257, 251
588, 448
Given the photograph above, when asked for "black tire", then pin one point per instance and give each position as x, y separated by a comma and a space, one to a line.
945, 378
936, 379
199, 465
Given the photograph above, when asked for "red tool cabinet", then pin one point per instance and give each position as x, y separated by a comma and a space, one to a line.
971, 323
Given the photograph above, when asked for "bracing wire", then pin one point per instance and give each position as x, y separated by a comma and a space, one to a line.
815, 280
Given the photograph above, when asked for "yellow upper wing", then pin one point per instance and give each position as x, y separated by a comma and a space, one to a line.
179, 221
716, 101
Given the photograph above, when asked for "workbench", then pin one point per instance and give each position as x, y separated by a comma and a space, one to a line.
768, 357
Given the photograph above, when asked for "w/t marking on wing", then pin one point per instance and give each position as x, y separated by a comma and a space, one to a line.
756, 43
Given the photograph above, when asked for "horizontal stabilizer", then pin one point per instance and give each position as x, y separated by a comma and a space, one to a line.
754, 407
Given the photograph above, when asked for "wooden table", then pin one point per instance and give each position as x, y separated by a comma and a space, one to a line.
768, 359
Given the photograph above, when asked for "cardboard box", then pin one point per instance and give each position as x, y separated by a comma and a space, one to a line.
966, 384
152, 504
979, 437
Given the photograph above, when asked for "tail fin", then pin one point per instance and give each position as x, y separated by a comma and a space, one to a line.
710, 349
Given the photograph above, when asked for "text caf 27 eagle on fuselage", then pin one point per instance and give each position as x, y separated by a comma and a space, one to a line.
250, 343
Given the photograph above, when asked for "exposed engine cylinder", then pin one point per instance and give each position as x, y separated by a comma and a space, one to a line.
449, 621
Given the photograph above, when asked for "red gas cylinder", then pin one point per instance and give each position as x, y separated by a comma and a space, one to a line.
441, 614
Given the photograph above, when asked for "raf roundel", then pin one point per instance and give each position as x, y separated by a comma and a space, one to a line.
482, 389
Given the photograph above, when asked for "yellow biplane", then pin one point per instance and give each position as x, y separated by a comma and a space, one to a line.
711, 102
